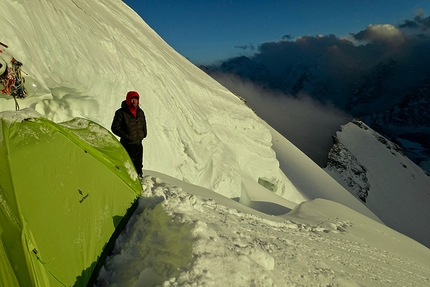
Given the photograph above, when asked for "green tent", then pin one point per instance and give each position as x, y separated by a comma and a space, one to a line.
65, 189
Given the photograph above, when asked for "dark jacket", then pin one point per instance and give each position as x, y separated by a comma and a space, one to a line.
131, 130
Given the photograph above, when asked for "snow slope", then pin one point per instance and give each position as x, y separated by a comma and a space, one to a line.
81, 61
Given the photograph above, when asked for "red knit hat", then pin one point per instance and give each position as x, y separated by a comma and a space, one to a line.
130, 95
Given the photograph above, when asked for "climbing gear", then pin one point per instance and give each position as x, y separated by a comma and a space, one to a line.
11, 77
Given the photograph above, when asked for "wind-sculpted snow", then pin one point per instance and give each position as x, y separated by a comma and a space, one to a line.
176, 238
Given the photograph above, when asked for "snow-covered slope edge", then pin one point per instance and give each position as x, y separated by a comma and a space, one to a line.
375, 170
180, 236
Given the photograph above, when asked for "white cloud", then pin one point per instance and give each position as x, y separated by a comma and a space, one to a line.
381, 33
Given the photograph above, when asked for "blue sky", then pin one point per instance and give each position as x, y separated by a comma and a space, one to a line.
208, 31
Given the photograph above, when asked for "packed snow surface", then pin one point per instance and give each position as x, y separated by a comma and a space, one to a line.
183, 235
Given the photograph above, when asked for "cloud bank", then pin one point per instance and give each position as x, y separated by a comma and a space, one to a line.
246, 47
408, 42
384, 33
419, 23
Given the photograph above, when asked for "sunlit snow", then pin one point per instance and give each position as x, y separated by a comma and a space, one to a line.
203, 219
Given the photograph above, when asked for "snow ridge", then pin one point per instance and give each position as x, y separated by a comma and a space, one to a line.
394, 187
341, 160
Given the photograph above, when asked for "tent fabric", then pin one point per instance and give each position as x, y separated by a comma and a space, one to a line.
64, 189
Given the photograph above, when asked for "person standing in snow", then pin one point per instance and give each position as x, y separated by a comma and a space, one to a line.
129, 123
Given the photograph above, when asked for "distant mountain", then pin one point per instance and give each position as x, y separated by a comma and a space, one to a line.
244, 68
305, 78
374, 93
408, 122
376, 171
383, 96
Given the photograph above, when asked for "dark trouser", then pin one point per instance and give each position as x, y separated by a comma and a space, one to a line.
135, 151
